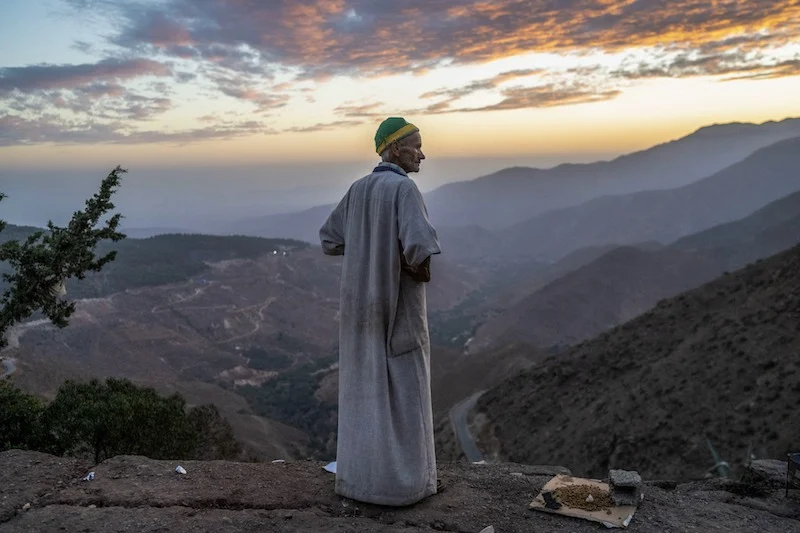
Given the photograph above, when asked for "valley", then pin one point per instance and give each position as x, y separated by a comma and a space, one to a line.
250, 324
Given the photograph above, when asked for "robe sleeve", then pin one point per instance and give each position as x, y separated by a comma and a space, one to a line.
331, 235
418, 239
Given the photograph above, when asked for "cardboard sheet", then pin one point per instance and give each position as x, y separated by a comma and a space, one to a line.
619, 517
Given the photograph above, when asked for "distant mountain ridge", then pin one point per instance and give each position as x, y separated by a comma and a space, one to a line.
663, 215
515, 194
512, 195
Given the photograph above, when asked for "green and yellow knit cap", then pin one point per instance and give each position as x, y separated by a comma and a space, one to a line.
392, 129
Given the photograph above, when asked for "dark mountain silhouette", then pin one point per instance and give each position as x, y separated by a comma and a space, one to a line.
515, 194
767, 175
626, 281
718, 362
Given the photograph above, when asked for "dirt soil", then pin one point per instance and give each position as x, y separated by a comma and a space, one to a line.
41, 493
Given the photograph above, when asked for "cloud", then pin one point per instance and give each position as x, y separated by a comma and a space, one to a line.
37, 77
325, 126
110, 101
783, 69
727, 65
256, 52
51, 128
329, 37
359, 110
546, 96
247, 89
520, 97
451, 95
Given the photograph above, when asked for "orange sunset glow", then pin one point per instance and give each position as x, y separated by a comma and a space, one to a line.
224, 82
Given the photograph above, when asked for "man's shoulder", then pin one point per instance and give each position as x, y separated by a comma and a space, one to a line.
385, 180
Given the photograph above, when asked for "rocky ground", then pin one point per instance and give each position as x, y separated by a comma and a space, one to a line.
42, 493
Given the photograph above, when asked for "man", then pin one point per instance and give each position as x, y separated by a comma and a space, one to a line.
385, 449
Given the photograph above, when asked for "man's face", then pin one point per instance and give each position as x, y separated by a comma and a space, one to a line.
409, 153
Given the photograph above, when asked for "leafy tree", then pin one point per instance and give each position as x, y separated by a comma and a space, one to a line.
215, 439
113, 418
118, 418
19, 418
42, 262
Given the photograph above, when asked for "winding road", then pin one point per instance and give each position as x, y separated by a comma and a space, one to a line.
458, 419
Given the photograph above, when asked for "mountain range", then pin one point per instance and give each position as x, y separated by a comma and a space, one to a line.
626, 281
513, 195
664, 215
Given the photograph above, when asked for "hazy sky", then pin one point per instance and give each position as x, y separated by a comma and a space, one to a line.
153, 83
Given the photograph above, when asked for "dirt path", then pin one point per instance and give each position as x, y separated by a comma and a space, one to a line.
256, 323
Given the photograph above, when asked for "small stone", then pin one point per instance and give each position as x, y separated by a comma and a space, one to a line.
26, 507
516, 474
626, 487
93, 506
589, 499
287, 516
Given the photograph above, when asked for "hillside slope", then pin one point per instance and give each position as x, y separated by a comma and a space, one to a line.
618, 286
244, 323
666, 215
718, 362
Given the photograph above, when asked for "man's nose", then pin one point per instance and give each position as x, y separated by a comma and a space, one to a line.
421, 155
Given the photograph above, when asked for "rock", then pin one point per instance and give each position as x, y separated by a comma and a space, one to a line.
26, 506
626, 487
768, 472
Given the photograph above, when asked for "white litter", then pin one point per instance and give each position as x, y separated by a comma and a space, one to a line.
489, 529
331, 467
279, 461
89, 476
180, 470
589, 499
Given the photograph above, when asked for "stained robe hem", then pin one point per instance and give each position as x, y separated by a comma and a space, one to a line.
393, 500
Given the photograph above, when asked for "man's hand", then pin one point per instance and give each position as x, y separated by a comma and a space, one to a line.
421, 273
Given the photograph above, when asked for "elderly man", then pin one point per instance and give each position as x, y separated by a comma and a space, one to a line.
385, 449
